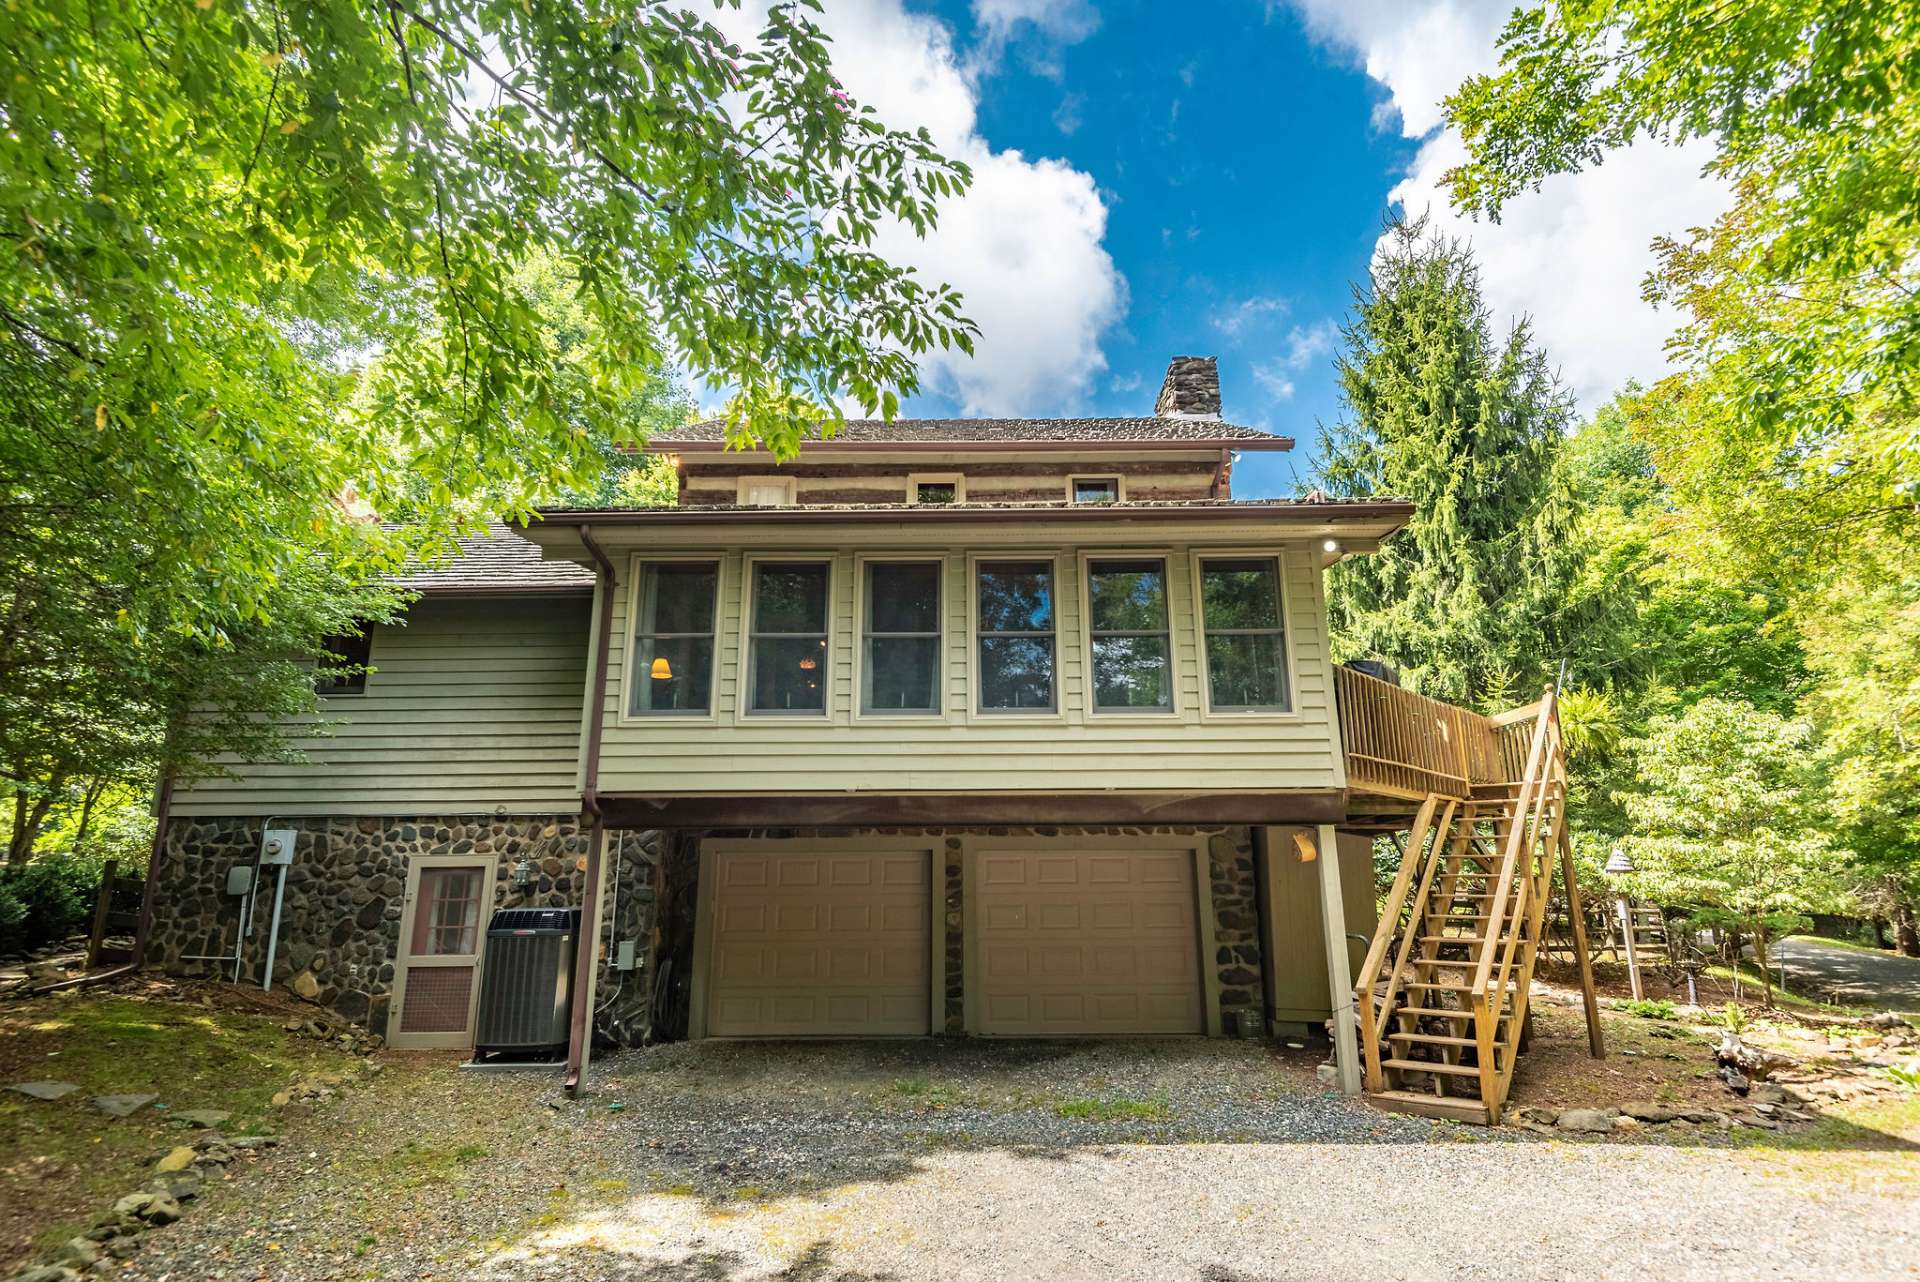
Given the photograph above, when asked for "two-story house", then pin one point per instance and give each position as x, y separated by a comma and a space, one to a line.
989, 727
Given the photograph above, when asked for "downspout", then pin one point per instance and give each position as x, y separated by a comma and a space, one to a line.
581, 1030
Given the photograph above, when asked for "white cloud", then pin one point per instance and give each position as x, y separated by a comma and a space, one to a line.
1236, 318
1573, 255
1024, 245
1274, 380
1308, 343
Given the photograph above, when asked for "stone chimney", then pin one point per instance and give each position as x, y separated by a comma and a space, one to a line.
1192, 389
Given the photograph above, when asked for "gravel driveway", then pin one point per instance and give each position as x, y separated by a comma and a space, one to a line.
1215, 1161
1853, 975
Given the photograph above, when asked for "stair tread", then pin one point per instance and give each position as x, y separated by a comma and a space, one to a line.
1429, 1066
1424, 1105
1441, 1039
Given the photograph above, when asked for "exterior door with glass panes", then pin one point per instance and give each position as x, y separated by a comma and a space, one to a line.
436, 983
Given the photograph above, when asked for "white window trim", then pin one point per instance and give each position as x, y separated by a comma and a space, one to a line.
631, 632
1094, 711
1289, 638
827, 659
956, 479
744, 483
1061, 633
1119, 485
943, 712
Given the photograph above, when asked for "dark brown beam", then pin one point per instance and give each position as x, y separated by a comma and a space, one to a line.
834, 810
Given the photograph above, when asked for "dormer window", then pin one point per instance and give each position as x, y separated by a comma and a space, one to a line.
766, 491
1094, 489
936, 489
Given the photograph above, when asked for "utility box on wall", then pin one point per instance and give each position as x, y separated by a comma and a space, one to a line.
1294, 950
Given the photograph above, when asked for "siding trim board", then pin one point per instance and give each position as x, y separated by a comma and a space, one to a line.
852, 810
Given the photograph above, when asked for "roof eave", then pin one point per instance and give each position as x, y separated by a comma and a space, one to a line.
1257, 444
1295, 513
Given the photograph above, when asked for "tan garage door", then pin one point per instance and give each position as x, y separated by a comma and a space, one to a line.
1086, 942
819, 943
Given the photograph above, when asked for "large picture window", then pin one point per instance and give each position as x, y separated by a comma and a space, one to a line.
1246, 644
900, 665
673, 642
1016, 627
787, 641
1127, 626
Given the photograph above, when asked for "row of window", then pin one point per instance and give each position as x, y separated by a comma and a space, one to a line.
1016, 642
924, 489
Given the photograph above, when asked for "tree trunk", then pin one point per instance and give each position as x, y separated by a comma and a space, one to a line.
1760, 960
1906, 936
88, 802
19, 828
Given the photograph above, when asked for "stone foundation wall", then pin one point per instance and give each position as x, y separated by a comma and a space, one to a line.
1230, 857
346, 889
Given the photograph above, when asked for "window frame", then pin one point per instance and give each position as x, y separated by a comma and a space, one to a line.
1119, 487
748, 571
861, 561
636, 568
357, 683
956, 479
786, 484
1094, 712
1062, 629
1196, 557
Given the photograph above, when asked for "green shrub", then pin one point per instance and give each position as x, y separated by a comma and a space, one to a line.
47, 900
1649, 1008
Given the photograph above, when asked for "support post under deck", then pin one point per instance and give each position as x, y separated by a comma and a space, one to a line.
1333, 921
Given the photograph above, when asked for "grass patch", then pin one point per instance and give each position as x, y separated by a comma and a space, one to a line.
64, 1158
923, 1091
1851, 945
1118, 1108
1786, 998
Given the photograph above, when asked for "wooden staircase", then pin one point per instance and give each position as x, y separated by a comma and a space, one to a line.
1443, 993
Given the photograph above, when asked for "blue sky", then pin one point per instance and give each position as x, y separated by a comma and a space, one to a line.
1245, 181
1209, 178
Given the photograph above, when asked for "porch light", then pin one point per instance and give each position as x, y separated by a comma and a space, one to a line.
1331, 545
661, 670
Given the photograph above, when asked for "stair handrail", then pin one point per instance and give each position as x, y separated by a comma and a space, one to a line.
1531, 784
1373, 1022
1532, 826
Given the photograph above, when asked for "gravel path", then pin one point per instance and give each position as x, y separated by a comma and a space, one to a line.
1854, 975
1215, 1161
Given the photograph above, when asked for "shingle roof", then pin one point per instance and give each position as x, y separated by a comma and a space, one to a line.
497, 561
929, 431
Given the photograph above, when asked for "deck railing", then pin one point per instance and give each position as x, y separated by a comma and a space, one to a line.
1402, 744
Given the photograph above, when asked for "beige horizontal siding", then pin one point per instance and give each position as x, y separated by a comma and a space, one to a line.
1077, 751
472, 705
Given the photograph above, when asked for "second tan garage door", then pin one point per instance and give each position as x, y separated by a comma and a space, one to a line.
818, 942
1085, 942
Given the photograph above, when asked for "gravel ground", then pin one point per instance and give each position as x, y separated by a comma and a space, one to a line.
1215, 1161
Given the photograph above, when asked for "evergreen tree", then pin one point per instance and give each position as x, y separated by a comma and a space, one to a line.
1466, 602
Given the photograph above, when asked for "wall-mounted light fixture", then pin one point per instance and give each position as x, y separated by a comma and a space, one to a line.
1304, 848
523, 873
